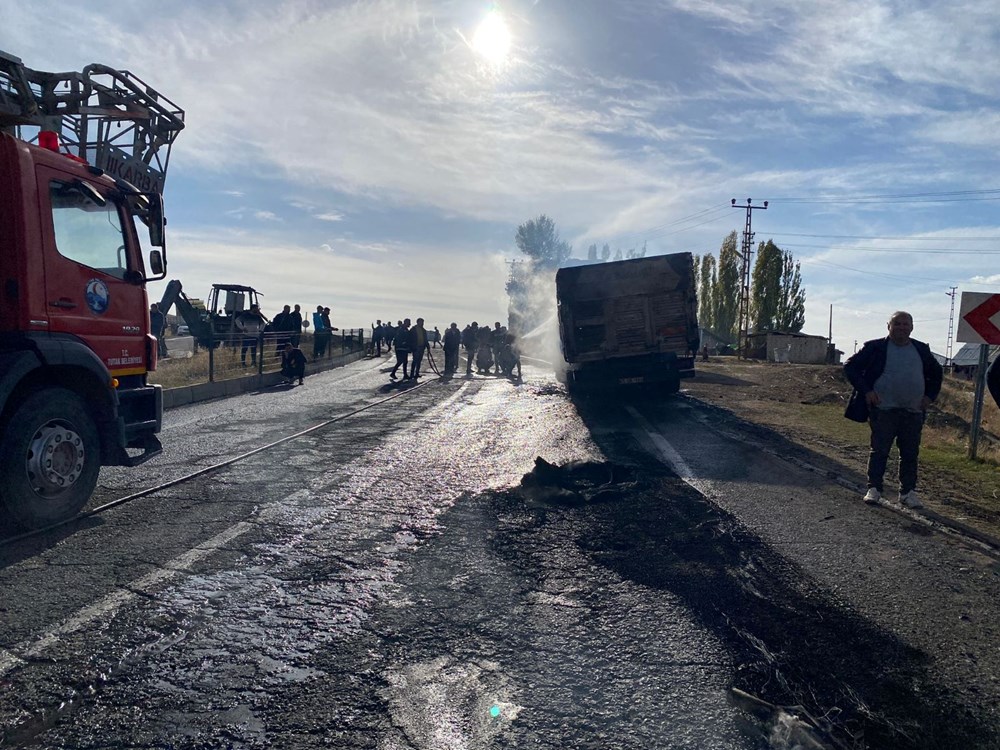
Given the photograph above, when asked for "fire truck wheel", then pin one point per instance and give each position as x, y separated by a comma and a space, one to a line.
49, 458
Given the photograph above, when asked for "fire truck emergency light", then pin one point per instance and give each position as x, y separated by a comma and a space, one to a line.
48, 139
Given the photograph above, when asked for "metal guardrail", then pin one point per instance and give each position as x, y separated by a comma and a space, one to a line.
234, 355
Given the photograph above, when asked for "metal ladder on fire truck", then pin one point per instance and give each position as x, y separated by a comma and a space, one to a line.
106, 117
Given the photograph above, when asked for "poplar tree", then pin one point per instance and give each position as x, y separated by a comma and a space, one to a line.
765, 287
791, 315
777, 301
726, 297
706, 291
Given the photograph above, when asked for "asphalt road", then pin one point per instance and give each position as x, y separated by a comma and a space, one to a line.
387, 580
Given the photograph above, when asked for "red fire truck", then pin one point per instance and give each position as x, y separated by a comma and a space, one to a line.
83, 157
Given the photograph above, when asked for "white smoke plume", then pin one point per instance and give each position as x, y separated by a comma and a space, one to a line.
533, 315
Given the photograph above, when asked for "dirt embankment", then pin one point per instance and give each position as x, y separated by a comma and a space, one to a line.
804, 404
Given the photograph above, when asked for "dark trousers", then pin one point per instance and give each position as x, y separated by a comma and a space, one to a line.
251, 344
902, 427
400, 360
320, 341
377, 343
470, 353
451, 360
418, 358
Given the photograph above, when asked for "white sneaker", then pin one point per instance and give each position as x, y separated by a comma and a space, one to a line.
910, 499
872, 496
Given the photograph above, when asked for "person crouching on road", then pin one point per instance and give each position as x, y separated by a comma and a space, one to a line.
895, 379
293, 363
402, 345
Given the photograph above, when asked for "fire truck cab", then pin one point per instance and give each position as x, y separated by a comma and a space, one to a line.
77, 246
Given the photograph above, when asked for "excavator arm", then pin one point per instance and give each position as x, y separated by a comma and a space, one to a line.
198, 321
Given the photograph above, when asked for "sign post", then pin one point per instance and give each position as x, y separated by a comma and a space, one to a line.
979, 323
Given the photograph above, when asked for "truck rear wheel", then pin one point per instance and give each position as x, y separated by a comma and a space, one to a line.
49, 458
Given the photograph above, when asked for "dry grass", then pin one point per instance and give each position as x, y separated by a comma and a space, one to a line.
949, 427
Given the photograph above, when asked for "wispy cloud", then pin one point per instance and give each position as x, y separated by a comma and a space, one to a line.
376, 115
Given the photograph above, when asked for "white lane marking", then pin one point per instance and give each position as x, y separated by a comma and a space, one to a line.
668, 453
106, 607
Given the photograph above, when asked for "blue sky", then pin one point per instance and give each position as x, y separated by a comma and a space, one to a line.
377, 157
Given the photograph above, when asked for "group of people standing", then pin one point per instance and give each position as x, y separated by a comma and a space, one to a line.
322, 331
490, 348
407, 340
287, 329
486, 347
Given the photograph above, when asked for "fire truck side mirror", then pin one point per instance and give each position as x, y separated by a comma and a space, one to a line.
156, 220
156, 263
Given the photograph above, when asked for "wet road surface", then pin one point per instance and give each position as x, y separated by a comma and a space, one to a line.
386, 582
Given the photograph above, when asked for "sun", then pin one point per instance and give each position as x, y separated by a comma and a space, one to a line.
492, 38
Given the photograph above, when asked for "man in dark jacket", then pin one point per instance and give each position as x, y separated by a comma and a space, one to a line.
470, 338
279, 324
419, 343
377, 333
452, 340
895, 379
402, 344
294, 323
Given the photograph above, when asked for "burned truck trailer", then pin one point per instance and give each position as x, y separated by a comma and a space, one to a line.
629, 322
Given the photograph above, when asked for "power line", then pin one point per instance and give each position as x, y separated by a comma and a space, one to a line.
663, 230
869, 272
946, 196
915, 251
713, 213
890, 238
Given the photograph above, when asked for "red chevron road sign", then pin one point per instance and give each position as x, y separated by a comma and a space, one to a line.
979, 319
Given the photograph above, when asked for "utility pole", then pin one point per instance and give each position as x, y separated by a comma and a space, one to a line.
743, 345
951, 326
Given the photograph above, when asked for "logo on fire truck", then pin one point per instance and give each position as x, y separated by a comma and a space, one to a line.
98, 296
